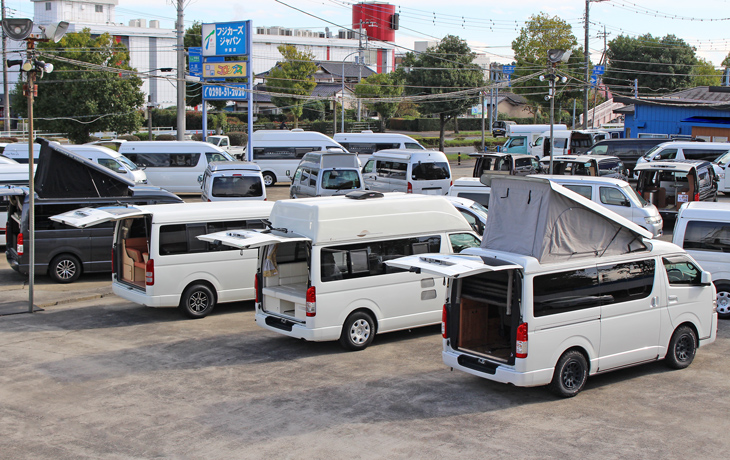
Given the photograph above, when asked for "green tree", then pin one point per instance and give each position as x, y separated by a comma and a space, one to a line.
84, 100
704, 73
444, 69
194, 91
380, 85
540, 34
660, 64
295, 75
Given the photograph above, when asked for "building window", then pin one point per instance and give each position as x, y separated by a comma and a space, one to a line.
48, 6
99, 8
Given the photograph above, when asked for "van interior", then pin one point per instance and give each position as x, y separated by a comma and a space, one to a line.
667, 190
134, 240
485, 314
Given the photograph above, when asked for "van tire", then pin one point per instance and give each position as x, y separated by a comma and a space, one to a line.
723, 299
358, 331
269, 178
64, 268
570, 374
682, 348
197, 301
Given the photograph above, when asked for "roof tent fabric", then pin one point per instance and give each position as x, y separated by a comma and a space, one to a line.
64, 174
535, 218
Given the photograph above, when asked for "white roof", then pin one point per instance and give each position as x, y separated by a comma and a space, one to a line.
333, 219
560, 178
285, 134
578, 158
406, 154
207, 212
705, 209
684, 166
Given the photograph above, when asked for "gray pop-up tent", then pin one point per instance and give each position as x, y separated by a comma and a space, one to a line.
65, 174
542, 219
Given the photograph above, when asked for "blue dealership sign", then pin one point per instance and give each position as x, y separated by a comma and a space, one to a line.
195, 61
508, 69
231, 92
599, 69
226, 38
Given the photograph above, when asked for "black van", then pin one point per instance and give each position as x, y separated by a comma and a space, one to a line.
65, 252
628, 150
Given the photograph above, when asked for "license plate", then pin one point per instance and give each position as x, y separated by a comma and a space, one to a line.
682, 198
432, 191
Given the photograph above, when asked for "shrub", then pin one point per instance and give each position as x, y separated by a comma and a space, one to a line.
129, 137
166, 137
238, 138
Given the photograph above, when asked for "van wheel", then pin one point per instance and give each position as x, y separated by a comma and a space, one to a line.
570, 374
358, 331
197, 301
723, 299
269, 178
65, 268
682, 348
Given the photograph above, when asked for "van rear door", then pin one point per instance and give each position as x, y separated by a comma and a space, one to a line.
88, 217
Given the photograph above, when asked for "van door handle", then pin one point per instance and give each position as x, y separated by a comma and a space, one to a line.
673, 299
654, 301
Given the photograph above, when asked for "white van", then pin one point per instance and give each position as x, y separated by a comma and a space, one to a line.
322, 275
616, 195
232, 180
158, 261
567, 142
329, 173
365, 143
10, 175
110, 159
707, 151
703, 230
720, 164
562, 288
279, 151
175, 166
411, 171
18, 151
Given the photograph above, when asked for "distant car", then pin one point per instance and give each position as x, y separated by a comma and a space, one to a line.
499, 127
473, 212
586, 165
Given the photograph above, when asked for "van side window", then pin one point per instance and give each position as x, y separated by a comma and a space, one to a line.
613, 197
216, 156
565, 291
666, 154
585, 190
391, 169
369, 166
626, 281
112, 164
44, 212
701, 154
182, 238
414, 146
367, 259
707, 236
681, 271
461, 241
164, 160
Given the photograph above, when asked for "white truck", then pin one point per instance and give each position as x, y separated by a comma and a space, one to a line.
224, 142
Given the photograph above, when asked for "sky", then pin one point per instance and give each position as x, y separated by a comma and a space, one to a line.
488, 27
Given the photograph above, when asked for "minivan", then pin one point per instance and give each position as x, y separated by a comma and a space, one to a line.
669, 184
232, 180
159, 262
703, 230
411, 171
322, 274
562, 289
333, 172
175, 166
616, 195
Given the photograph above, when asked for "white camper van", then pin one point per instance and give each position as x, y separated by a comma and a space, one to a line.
322, 273
326, 174
410, 171
365, 143
279, 151
158, 261
539, 303
175, 166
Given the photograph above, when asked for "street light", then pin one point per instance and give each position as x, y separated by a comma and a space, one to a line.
555, 56
21, 29
342, 127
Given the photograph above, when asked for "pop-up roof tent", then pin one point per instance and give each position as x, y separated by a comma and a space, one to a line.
535, 217
64, 174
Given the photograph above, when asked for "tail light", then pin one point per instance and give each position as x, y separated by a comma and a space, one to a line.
19, 246
444, 325
311, 301
569, 152
149, 275
257, 287
410, 188
521, 346
697, 197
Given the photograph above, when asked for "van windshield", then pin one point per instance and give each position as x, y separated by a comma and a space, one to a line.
431, 171
634, 197
651, 151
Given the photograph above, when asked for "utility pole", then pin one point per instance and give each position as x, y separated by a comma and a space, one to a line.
180, 73
587, 54
482, 110
6, 96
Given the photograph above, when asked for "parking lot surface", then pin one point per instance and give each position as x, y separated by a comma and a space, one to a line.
94, 376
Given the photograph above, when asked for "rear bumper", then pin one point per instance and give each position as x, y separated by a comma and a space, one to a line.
502, 373
296, 330
140, 296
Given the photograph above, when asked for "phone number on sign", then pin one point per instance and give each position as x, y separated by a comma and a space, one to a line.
212, 92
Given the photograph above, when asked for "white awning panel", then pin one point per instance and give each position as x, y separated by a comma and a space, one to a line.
248, 238
450, 265
88, 217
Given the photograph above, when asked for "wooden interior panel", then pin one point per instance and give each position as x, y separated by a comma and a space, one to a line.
472, 323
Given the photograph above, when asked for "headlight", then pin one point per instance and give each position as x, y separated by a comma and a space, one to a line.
653, 220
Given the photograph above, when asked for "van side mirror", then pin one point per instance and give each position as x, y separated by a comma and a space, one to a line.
706, 278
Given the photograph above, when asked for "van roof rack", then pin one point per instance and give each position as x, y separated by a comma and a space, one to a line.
363, 195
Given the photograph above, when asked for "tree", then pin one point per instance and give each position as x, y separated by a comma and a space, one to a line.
194, 91
380, 85
444, 69
659, 64
540, 34
84, 100
704, 74
295, 75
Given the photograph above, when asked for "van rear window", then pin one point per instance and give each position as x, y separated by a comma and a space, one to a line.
707, 236
237, 187
430, 171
